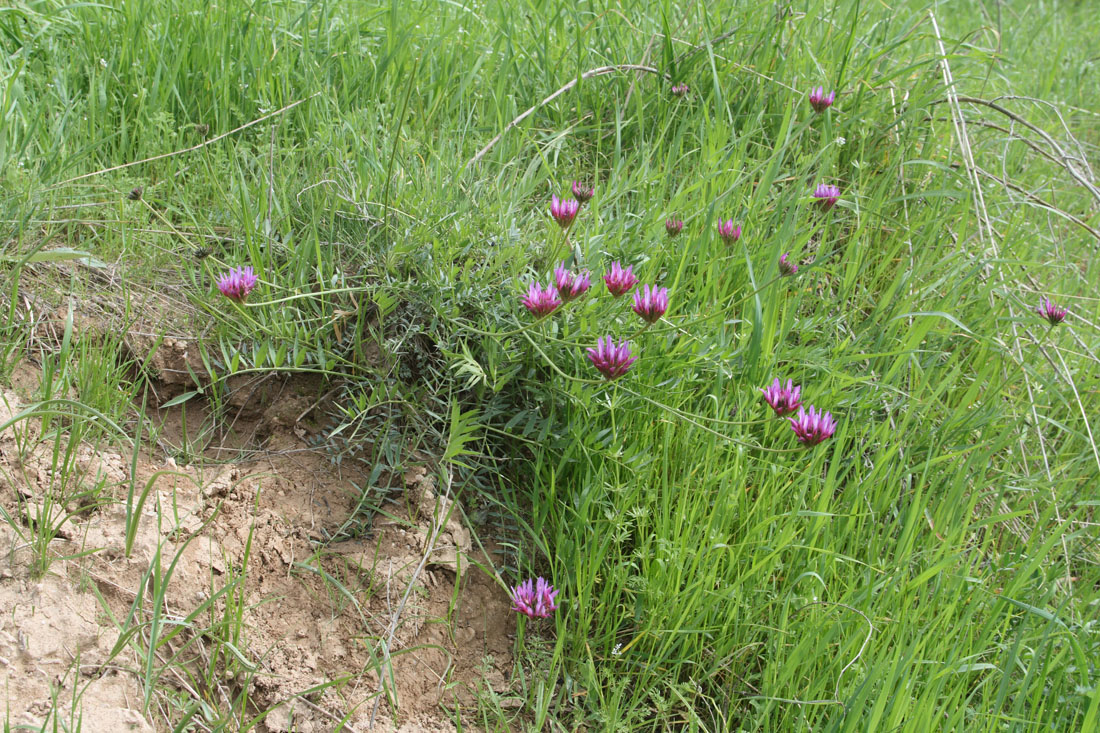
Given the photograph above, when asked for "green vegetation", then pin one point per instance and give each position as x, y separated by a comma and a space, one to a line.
932, 566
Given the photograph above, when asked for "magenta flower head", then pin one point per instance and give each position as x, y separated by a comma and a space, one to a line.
680, 90
784, 400
651, 304
237, 283
786, 268
729, 231
1048, 310
583, 193
534, 598
620, 281
613, 360
827, 196
821, 101
541, 302
571, 284
673, 227
564, 211
812, 427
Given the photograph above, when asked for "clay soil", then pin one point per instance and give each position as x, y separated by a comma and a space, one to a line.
265, 512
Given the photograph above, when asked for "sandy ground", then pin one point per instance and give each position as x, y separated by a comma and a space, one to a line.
314, 612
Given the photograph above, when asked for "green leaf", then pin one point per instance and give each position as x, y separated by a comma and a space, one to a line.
180, 399
939, 314
61, 254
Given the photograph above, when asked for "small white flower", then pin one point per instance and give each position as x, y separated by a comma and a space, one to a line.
840, 140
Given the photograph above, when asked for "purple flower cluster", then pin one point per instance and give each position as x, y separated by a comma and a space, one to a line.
564, 211
619, 281
786, 268
237, 283
583, 193
810, 426
673, 227
821, 101
784, 400
1051, 312
827, 195
729, 231
651, 304
534, 598
680, 90
571, 285
541, 302
610, 359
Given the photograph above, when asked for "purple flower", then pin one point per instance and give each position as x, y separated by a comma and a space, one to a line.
564, 211
784, 400
237, 283
786, 268
821, 101
613, 360
571, 284
534, 598
827, 196
729, 231
583, 193
680, 90
541, 302
1048, 310
619, 281
673, 227
812, 427
651, 304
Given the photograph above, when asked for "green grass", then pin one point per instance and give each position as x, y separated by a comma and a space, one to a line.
931, 567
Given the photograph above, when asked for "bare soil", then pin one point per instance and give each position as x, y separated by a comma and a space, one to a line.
410, 591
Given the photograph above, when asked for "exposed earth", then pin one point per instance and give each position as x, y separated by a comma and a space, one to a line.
410, 590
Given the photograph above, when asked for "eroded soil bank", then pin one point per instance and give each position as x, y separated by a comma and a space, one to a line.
261, 589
